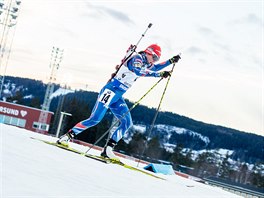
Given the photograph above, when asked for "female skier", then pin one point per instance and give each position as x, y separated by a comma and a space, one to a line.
111, 95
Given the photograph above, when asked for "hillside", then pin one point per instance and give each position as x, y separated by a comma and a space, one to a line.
32, 168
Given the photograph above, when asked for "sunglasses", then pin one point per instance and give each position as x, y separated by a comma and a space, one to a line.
151, 52
155, 57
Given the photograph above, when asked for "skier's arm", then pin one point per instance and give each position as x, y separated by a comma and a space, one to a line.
162, 65
164, 74
135, 65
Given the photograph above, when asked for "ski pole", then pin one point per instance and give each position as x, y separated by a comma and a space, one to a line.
149, 26
135, 104
134, 47
157, 111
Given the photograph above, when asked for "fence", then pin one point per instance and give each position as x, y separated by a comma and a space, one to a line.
235, 189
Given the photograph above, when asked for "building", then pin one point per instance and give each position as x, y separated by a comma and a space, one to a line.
23, 116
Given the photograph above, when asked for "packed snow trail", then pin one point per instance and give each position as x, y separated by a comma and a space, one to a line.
99, 158
31, 168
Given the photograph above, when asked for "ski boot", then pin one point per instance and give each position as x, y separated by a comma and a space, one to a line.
108, 151
64, 139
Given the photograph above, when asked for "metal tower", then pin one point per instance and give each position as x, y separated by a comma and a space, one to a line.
56, 58
9, 11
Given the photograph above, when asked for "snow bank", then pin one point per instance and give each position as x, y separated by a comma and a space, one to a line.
31, 168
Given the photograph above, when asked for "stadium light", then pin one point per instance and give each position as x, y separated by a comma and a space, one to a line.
9, 10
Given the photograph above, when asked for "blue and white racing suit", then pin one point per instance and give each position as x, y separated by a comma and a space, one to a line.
111, 95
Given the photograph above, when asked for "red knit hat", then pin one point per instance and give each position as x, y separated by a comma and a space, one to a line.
153, 49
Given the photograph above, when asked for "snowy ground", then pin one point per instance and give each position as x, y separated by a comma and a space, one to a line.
30, 168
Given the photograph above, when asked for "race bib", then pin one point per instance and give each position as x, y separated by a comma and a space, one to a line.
106, 97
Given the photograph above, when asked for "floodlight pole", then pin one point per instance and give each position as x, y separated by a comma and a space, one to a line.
60, 122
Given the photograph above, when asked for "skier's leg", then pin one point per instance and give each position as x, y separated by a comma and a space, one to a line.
96, 116
119, 109
105, 98
98, 113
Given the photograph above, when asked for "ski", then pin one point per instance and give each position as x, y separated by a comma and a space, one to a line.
72, 150
98, 158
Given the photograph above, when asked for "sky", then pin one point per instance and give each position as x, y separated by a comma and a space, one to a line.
54, 172
219, 79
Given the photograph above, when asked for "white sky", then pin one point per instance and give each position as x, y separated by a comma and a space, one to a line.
219, 79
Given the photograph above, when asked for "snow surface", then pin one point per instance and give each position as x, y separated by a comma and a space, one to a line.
60, 91
31, 168
28, 96
220, 152
174, 129
140, 128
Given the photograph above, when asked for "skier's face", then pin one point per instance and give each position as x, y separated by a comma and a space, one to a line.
150, 58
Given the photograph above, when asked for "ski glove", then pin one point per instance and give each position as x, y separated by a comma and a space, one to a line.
175, 59
164, 74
